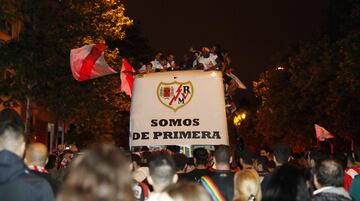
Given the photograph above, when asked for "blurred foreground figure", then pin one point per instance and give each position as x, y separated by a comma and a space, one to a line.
281, 157
355, 188
101, 173
247, 186
182, 191
162, 174
288, 183
16, 182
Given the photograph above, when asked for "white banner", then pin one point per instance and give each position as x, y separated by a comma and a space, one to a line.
178, 108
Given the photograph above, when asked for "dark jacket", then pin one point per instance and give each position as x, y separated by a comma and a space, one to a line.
355, 188
18, 184
224, 181
53, 182
265, 181
195, 175
333, 194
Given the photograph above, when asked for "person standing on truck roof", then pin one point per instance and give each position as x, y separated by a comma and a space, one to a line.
207, 60
164, 63
171, 60
231, 85
156, 62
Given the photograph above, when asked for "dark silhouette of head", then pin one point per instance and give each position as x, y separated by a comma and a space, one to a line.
282, 153
314, 157
222, 154
180, 161
173, 148
288, 183
136, 160
51, 162
246, 157
264, 151
201, 156
101, 173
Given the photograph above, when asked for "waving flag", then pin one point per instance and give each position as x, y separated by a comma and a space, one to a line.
322, 133
88, 62
127, 76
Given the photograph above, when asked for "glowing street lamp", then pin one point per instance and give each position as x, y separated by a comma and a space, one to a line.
238, 118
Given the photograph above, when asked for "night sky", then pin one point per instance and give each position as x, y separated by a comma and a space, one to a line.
252, 31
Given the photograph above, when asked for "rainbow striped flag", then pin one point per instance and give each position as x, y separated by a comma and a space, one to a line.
211, 187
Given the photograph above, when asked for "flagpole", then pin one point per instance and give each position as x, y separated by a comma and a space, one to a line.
331, 148
317, 143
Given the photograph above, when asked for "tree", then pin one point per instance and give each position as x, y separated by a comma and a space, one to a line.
318, 82
134, 46
40, 58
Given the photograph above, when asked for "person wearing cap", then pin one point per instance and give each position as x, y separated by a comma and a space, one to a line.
207, 60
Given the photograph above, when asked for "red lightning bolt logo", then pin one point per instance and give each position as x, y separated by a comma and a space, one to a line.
178, 92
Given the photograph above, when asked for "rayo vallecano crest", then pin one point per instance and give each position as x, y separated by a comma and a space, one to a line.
175, 95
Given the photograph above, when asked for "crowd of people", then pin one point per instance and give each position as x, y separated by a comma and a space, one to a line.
109, 173
206, 59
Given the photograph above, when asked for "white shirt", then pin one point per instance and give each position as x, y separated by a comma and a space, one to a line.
322, 189
143, 68
154, 196
156, 64
334, 190
208, 62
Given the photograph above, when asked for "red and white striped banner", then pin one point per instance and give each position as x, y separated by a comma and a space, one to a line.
88, 62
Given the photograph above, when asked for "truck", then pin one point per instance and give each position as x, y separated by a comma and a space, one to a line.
185, 108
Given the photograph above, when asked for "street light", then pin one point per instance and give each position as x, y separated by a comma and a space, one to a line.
238, 118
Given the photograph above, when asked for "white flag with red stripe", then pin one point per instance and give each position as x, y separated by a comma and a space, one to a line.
127, 76
322, 133
88, 62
